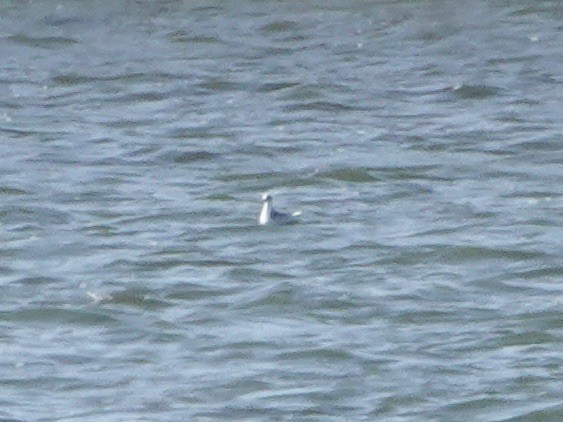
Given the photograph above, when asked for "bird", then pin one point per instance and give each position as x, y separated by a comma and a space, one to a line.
269, 216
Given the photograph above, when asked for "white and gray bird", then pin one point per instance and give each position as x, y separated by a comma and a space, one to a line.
270, 216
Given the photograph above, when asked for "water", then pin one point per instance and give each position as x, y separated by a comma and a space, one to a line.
421, 139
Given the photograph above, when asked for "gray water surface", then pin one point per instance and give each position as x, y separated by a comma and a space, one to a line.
421, 139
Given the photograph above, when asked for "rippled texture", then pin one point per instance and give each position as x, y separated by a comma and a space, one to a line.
421, 139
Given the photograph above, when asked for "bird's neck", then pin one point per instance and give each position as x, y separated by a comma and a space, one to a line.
266, 212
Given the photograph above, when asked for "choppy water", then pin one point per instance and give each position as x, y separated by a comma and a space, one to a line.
421, 139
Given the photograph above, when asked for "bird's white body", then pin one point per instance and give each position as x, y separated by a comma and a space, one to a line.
270, 216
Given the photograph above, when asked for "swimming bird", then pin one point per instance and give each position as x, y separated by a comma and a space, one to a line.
270, 216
